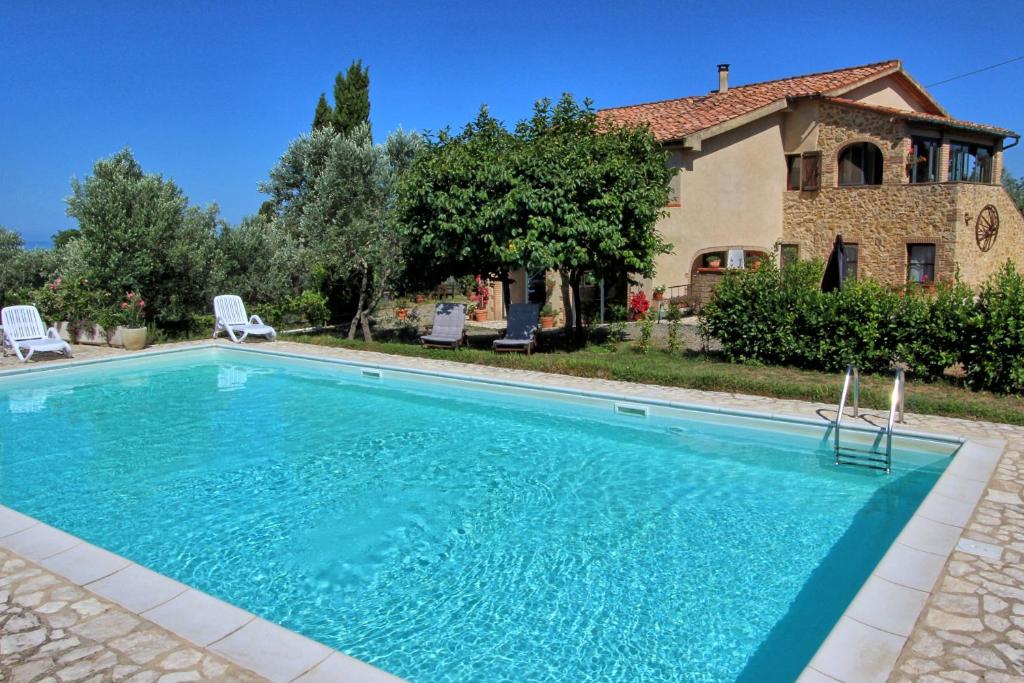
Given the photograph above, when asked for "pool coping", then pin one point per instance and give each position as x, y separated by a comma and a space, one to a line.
864, 644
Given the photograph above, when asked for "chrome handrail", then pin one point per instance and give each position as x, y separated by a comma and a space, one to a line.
852, 373
899, 389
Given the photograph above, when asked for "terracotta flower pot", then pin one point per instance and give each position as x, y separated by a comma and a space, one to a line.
479, 316
134, 338
715, 263
547, 322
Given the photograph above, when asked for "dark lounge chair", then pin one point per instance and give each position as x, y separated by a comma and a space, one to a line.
449, 329
521, 331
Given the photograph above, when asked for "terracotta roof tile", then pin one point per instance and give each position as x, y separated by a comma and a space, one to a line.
920, 116
675, 119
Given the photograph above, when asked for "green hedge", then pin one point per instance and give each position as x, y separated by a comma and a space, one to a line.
783, 318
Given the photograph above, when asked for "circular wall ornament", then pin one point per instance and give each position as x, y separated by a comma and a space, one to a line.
986, 227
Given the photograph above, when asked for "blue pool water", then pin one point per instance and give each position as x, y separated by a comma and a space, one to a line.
449, 534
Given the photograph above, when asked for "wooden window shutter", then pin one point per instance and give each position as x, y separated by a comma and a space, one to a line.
810, 173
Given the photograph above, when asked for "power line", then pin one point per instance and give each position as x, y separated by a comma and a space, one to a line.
976, 71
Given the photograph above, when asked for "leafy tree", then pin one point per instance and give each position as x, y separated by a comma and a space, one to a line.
62, 237
456, 204
563, 193
351, 98
588, 195
11, 246
261, 262
324, 115
138, 233
1015, 188
335, 195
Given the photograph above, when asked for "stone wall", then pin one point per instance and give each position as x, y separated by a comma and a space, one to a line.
975, 265
840, 126
883, 219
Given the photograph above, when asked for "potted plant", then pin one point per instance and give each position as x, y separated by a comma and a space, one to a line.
133, 321
659, 292
754, 262
480, 295
638, 306
548, 316
420, 298
713, 261
402, 309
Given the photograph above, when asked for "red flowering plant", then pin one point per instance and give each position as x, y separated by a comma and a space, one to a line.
132, 310
481, 294
69, 300
638, 306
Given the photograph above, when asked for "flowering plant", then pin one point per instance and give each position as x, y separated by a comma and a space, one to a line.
638, 305
481, 293
71, 301
131, 310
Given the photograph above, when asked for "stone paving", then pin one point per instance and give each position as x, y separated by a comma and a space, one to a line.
52, 631
972, 627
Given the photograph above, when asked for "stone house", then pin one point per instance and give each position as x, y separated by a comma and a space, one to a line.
782, 167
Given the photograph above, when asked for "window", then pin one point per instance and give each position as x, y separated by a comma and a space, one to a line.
920, 263
852, 252
924, 160
788, 254
970, 163
810, 171
675, 163
792, 171
860, 164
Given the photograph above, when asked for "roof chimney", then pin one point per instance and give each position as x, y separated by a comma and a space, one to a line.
723, 78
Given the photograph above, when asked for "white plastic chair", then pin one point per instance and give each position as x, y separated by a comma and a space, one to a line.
24, 331
229, 313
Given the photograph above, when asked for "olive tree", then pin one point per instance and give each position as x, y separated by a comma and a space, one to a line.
139, 233
335, 194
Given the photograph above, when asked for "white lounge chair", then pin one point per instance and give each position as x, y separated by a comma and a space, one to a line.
229, 313
24, 331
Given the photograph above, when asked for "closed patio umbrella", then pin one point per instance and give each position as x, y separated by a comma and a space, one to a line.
835, 269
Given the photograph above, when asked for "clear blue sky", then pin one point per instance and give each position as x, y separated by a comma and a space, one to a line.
210, 93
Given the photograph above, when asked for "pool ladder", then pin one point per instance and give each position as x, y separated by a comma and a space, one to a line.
873, 457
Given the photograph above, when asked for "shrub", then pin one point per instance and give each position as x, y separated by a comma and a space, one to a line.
994, 357
674, 316
312, 306
646, 330
783, 318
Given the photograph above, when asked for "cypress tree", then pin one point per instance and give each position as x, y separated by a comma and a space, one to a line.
324, 115
352, 98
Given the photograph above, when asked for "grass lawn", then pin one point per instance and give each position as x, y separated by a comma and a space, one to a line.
712, 374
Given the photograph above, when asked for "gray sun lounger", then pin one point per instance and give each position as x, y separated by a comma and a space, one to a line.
449, 329
521, 331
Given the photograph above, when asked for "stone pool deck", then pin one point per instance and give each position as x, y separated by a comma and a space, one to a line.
971, 627
53, 631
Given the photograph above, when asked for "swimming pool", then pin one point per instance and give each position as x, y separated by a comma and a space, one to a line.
447, 530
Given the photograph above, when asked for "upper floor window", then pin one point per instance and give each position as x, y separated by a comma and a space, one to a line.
860, 164
792, 171
923, 165
970, 163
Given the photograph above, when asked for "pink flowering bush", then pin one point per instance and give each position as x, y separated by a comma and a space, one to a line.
132, 310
